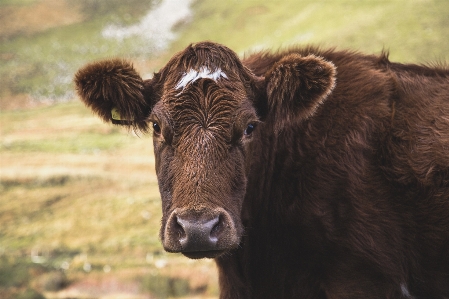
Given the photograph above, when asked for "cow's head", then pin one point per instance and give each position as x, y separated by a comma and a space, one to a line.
203, 107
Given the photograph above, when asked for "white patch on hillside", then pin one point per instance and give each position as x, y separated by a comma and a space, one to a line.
156, 26
204, 72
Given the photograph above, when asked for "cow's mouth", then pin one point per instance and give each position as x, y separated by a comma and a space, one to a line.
203, 254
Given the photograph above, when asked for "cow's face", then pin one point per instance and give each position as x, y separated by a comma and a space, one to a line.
202, 126
203, 106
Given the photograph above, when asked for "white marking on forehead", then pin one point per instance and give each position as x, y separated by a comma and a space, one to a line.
204, 72
405, 291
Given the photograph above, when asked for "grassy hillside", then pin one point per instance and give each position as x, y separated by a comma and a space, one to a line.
44, 42
414, 31
79, 206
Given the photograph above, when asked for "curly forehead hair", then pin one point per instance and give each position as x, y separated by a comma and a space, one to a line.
209, 56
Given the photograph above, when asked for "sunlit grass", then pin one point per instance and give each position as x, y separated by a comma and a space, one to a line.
43, 64
56, 161
17, 2
414, 31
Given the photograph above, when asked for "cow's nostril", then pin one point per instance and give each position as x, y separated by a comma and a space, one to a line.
216, 229
179, 229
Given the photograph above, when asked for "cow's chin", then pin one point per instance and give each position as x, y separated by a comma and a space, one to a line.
210, 254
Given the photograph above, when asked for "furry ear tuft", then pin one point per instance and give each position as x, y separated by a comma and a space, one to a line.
113, 85
297, 86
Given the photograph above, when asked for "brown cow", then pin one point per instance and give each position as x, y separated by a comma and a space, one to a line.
305, 173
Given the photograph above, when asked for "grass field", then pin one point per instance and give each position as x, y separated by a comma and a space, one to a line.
414, 31
79, 208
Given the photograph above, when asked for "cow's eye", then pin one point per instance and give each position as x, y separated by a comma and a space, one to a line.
156, 128
249, 129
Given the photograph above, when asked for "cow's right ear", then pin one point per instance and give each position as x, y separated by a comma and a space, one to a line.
115, 92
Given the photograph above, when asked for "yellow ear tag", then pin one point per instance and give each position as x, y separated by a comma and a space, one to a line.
115, 114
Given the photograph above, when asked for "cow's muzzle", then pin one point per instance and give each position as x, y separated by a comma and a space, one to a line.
200, 234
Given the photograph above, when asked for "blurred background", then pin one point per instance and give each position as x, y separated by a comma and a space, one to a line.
79, 203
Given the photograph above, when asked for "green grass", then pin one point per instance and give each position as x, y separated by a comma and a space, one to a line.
61, 158
57, 129
414, 31
73, 143
17, 2
43, 64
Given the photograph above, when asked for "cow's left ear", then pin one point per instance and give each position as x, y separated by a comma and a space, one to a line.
297, 85
116, 92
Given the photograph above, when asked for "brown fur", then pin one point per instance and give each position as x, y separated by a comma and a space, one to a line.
305, 173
